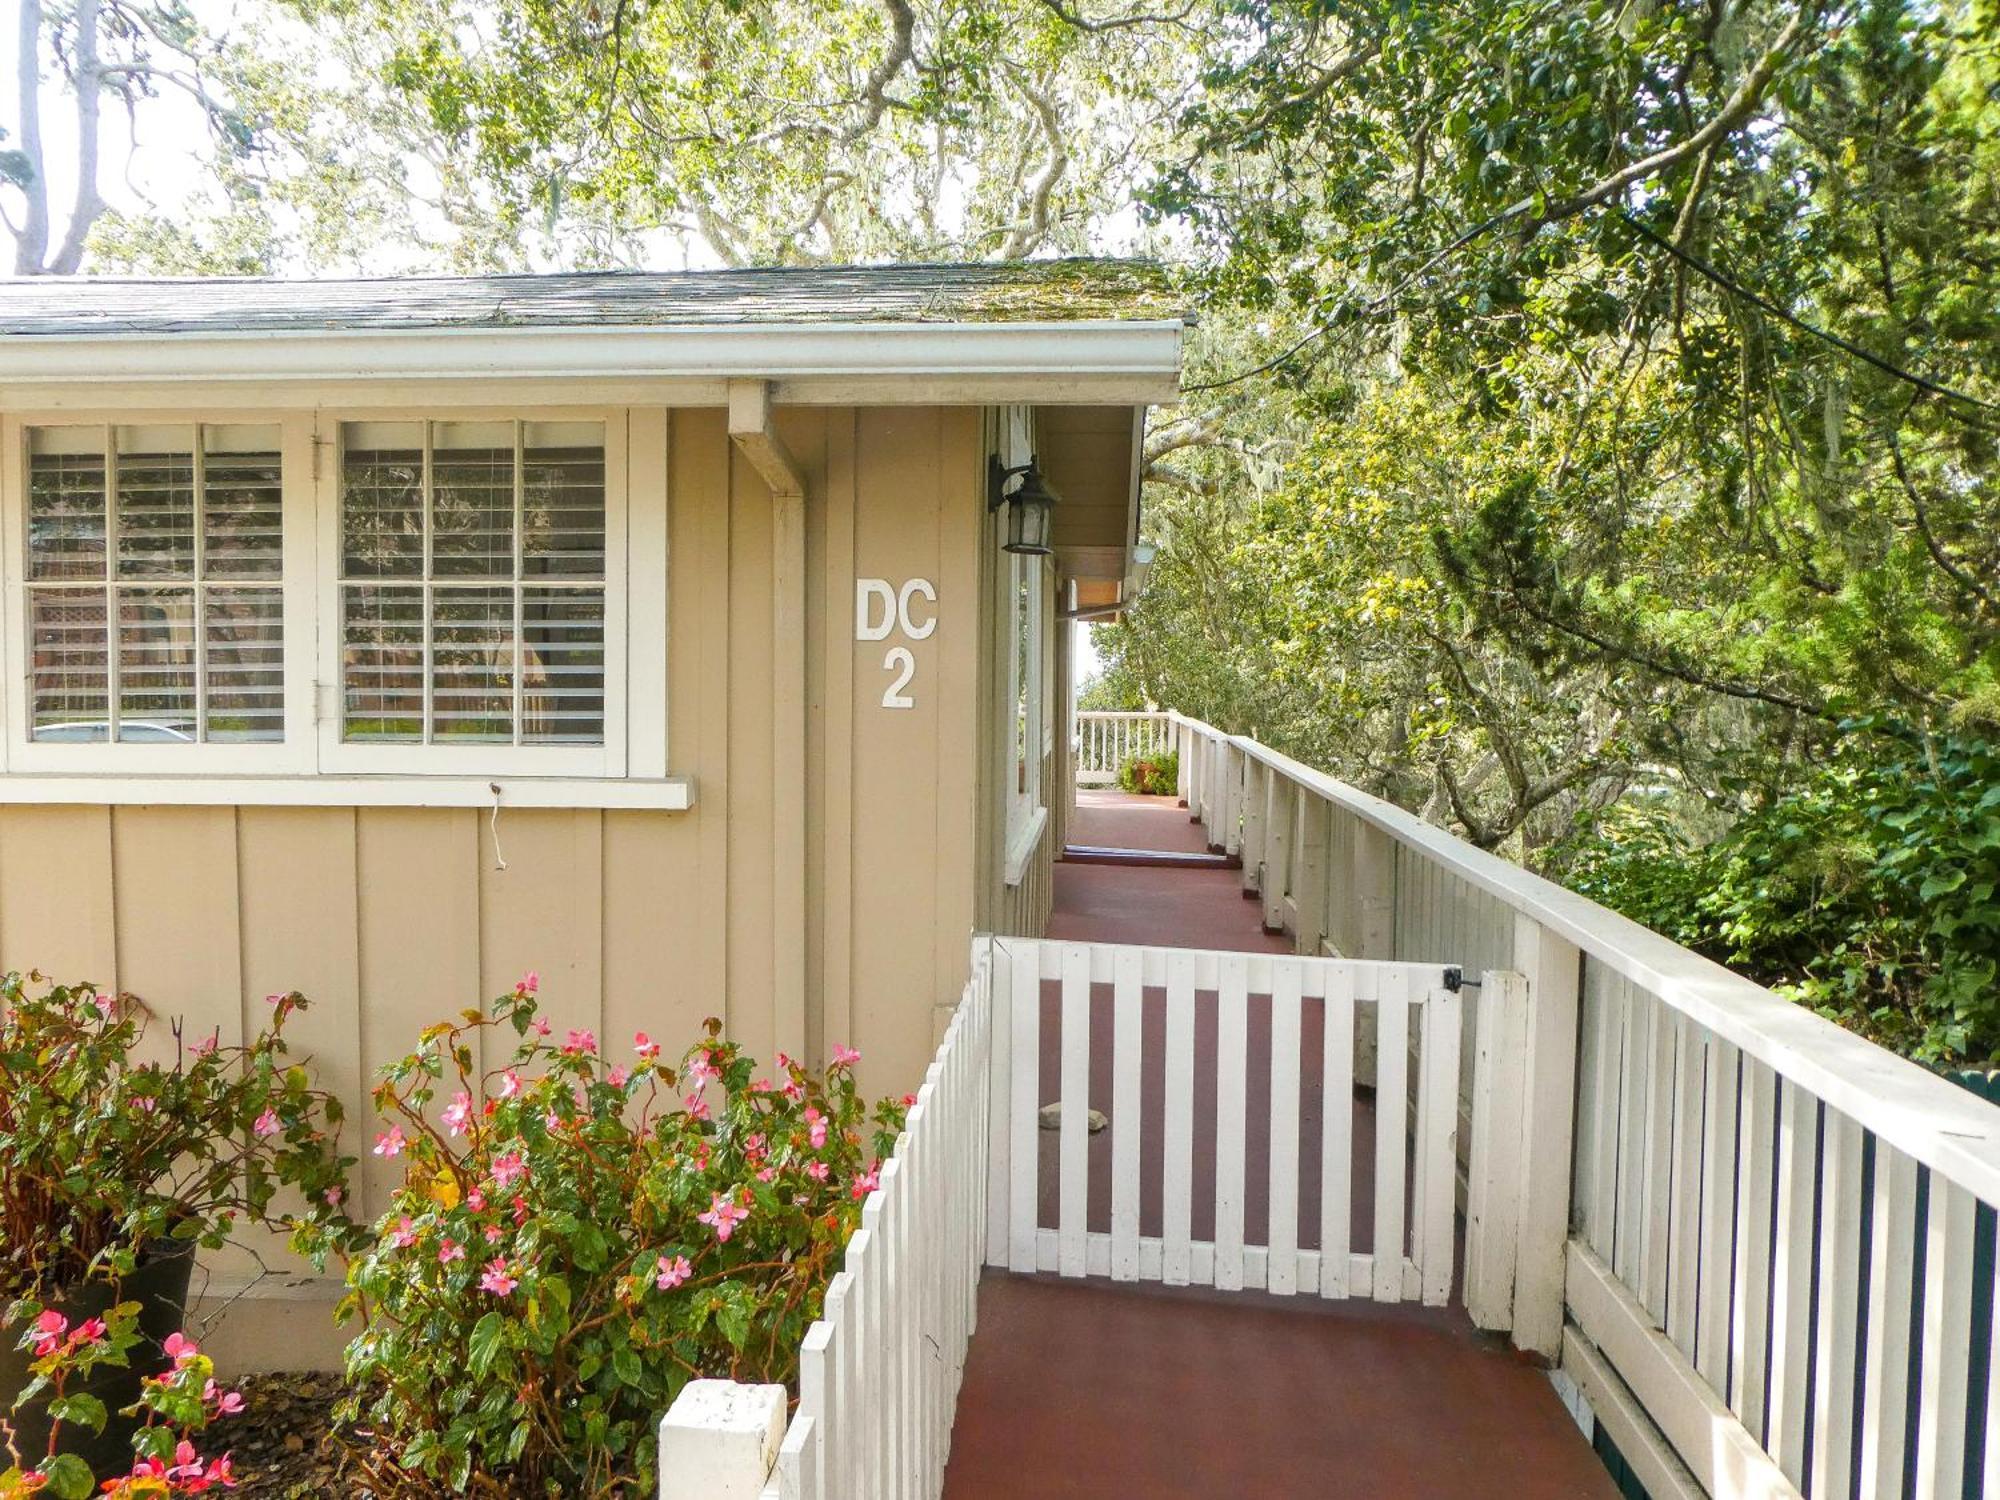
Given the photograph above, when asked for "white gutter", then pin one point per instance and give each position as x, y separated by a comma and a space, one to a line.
1148, 350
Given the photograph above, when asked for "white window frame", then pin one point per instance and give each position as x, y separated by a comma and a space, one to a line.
312, 765
342, 756
1027, 808
27, 754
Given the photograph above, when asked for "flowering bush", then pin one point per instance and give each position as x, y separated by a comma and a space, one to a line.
575, 1237
1156, 775
101, 1154
172, 1407
110, 1169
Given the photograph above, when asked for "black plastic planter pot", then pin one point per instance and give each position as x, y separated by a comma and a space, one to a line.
160, 1286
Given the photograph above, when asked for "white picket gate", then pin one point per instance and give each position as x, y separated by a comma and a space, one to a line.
1092, 1004
1105, 741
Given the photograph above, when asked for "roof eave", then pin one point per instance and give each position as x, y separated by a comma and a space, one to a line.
1126, 360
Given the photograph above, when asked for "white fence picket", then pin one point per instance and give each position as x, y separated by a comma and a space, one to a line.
1392, 1085
1177, 1125
1073, 1178
1232, 1061
1336, 1147
1127, 1002
1287, 1005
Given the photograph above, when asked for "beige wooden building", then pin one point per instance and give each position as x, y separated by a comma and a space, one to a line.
387, 639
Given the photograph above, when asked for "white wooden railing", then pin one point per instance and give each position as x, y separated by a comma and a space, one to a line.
879, 1371
1093, 1007
1748, 1236
1105, 741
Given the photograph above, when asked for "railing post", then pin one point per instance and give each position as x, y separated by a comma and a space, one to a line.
720, 1440
1554, 970
1183, 738
1494, 1167
1315, 850
1372, 888
1280, 811
1255, 780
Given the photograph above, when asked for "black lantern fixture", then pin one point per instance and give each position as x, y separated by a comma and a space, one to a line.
1028, 504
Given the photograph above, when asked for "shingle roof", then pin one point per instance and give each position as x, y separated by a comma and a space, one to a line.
1010, 292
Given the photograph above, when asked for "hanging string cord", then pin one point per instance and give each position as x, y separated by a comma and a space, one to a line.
493, 827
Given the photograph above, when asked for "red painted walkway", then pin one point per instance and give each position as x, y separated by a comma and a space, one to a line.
1120, 1392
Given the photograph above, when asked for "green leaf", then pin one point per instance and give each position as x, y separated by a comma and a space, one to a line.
69, 1478
484, 1344
82, 1409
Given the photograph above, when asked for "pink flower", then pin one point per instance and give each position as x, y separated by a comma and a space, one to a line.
180, 1348
49, 1330
493, 1234
760, 1085
89, 1331
267, 1123
333, 1195
520, 1207
405, 1235
723, 1216
672, 1272
495, 1278
475, 1200
145, 1104
617, 1077
530, 983
816, 1170
508, 1167
696, 1106
845, 1057
580, 1042
458, 1113
815, 1128
510, 1084
449, 1250
645, 1046
390, 1142
104, 1005
206, 1045
551, 1120
767, 1174
540, 1026
225, 1403
794, 1091
785, 1063
867, 1182
701, 1072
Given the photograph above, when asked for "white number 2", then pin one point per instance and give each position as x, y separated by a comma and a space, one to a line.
894, 696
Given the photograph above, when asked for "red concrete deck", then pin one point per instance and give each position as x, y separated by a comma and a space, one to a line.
1119, 1392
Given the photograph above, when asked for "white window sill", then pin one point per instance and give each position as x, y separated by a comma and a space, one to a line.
663, 794
1023, 842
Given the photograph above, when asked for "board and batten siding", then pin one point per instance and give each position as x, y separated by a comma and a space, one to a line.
389, 918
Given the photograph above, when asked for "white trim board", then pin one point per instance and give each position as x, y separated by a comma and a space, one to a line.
662, 794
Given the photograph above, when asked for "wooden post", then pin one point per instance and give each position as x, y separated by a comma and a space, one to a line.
719, 1440
1280, 811
1372, 890
1315, 850
1255, 828
1554, 970
1494, 1169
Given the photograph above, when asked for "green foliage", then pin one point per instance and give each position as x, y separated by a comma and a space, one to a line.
1868, 891
572, 1240
102, 1151
174, 1406
1151, 775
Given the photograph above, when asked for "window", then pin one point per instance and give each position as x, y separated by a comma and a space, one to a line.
473, 583
154, 563
367, 595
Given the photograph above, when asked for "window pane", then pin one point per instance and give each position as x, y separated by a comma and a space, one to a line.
382, 505
382, 663
472, 674
66, 515
242, 515
562, 512
156, 508
156, 664
472, 507
246, 665
68, 675
562, 689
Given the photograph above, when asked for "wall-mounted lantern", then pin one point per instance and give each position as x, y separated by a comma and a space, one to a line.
1029, 505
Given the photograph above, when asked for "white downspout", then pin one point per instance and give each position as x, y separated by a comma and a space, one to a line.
751, 431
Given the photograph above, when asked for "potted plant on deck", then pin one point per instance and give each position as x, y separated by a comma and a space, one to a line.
121, 1155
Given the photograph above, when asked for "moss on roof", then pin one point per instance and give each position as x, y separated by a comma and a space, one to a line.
993, 292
